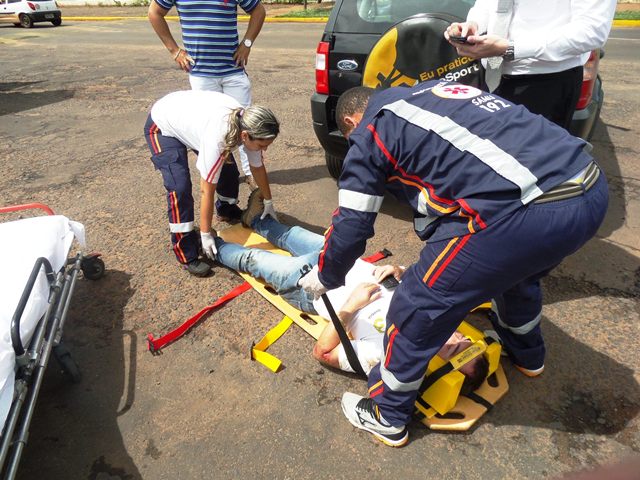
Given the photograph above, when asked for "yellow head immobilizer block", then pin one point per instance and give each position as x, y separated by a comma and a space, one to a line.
441, 405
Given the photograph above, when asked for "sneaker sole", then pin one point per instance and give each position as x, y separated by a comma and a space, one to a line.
530, 373
381, 438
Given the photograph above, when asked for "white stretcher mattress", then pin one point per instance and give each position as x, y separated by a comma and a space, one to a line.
22, 242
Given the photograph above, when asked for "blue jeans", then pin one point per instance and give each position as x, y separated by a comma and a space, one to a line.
279, 271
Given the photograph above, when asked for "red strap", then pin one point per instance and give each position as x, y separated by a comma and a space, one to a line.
156, 344
378, 256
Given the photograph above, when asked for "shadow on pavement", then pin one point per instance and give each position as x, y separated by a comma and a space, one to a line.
582, 391
14, 99
75, 431
295, 176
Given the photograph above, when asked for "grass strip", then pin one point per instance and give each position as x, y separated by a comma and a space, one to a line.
627, 15
309, 13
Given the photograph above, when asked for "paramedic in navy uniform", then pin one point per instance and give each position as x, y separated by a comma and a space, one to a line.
213, 125
500, 196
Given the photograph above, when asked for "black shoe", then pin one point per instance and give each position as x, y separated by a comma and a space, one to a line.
198, 268
229, 213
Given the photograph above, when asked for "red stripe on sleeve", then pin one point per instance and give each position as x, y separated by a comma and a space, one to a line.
476, 215
415, 178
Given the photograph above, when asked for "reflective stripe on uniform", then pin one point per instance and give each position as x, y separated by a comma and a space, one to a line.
396, 385
486, 151
229, 200
181, 227
522, 329
359, 201
420, 223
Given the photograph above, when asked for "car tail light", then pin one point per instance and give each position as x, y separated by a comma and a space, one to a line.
322, 68
590, 73
31, 6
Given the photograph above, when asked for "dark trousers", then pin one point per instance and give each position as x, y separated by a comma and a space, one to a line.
552, 95
169, 156
504, 262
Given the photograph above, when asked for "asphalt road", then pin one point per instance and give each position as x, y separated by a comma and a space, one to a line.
73, 101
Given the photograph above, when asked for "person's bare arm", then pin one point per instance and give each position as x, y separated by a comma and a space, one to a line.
256, 20
156, 16
326, 348
207, 191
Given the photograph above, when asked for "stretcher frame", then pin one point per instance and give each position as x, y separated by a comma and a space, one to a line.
33, 358
449, 410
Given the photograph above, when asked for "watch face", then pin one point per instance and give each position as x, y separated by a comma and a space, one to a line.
247, 43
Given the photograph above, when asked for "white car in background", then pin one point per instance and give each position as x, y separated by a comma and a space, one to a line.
27, 12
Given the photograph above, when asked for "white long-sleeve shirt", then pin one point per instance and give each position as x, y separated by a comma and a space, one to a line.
549, 35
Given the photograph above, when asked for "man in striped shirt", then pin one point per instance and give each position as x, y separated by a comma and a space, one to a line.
215, 60
500, 196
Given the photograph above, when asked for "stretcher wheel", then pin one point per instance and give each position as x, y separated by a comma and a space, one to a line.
92, 267
67, 364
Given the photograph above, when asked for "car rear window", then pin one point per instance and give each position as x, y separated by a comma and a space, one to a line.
377, 16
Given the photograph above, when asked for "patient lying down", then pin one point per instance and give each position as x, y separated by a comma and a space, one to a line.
361, 304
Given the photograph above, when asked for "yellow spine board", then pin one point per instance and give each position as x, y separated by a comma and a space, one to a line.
449, 411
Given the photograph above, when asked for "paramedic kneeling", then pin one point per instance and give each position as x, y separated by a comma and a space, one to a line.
500, 195
213, 125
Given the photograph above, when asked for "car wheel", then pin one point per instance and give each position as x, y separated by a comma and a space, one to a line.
334, 165
25, 20
57, 22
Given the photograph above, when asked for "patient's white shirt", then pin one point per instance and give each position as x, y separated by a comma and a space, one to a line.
368, 324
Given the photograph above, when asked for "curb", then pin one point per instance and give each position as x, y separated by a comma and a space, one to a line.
616, 23
175, 18
626, 23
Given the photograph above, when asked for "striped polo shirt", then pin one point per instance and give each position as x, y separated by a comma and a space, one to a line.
210, 33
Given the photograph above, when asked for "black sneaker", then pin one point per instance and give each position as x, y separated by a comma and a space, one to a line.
229, 213
363, 413
198, 268
255, 206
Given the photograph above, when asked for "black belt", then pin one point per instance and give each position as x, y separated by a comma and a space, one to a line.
573, 187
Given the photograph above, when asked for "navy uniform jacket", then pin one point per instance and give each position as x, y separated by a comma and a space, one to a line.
460, 157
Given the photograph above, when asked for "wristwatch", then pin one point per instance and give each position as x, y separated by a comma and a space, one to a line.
247, 43
509, 53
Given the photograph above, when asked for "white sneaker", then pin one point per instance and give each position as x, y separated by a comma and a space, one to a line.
363, 413
536, 372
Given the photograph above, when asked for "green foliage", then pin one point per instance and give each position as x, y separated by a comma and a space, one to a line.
309, 13
627, 15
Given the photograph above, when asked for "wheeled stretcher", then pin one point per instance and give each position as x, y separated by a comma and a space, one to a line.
37, 280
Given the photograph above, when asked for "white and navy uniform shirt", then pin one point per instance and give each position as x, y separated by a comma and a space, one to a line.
210, 33
460, 157
199, 120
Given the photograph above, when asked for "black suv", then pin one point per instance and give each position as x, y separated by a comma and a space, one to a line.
383, 43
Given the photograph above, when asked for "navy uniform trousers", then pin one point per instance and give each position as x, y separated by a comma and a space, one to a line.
169, 156
504, 262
